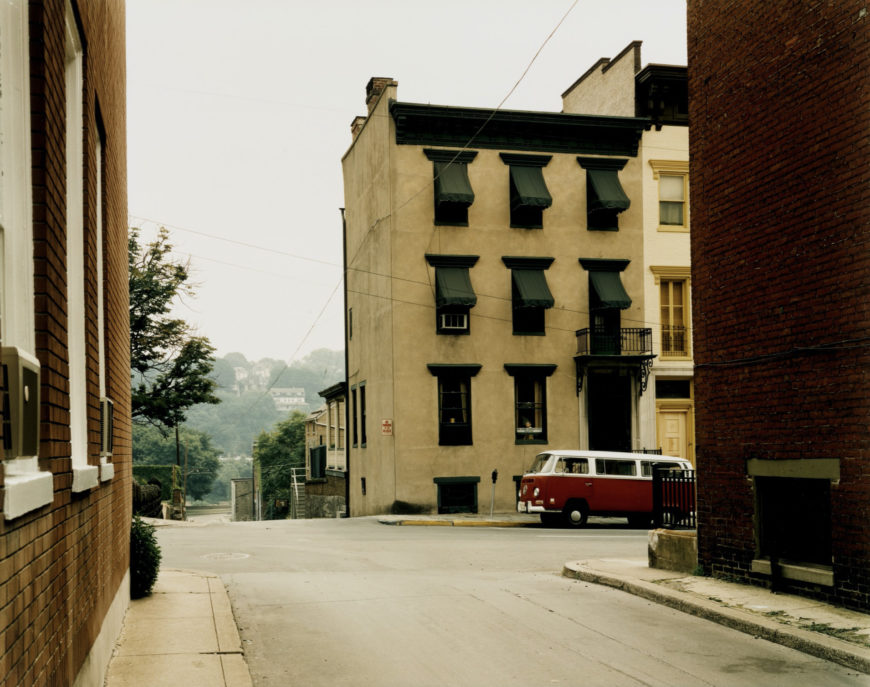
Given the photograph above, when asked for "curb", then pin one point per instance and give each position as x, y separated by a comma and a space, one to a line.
458, 523
811, 643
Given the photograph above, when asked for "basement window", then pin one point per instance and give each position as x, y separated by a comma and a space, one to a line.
457, 494
793, 518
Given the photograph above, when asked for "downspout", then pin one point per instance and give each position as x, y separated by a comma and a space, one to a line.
347, 425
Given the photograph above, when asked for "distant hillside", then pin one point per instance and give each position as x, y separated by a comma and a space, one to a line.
256, 394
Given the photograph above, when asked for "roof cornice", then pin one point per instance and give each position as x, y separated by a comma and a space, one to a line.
552, 132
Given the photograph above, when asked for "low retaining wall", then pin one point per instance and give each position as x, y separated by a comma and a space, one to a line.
673, 550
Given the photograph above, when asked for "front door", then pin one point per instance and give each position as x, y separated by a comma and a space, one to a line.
672, 433
609, 401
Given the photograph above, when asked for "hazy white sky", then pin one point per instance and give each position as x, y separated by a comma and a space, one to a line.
238, 114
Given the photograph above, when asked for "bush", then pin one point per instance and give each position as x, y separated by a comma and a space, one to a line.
144, 558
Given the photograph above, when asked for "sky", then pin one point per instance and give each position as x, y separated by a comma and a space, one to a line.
238, 114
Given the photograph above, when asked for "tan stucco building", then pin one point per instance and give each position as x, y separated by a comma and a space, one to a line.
496, 297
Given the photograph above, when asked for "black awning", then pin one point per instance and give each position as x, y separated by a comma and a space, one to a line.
604, 191
453, 287
452, 184
528, 188
609, 290
531, 289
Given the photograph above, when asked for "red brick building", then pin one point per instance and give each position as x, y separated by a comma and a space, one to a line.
780, 113
65, 478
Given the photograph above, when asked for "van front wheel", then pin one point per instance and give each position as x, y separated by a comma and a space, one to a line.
575, 513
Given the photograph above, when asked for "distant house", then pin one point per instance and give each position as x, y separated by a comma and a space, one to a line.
325, 455
64, 327
288, 399
781, 277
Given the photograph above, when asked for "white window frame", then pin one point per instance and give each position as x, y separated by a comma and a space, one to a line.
675, 274
672, 168
107, 468
85, 476
26, 487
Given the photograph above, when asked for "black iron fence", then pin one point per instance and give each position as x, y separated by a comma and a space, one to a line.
631, 341
674, 498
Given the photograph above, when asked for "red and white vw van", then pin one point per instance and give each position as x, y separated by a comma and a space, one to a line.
571, 485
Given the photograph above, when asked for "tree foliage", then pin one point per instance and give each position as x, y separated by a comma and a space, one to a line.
170, 366
151, 447
276, 454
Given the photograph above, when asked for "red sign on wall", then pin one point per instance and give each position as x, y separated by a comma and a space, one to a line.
387, 428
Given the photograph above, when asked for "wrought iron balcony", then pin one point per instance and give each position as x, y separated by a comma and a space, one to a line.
675, 341
632, 341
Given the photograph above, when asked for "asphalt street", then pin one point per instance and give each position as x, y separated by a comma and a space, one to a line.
356, 602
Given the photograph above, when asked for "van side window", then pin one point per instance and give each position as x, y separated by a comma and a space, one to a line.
646, 467
577, 466
622, 468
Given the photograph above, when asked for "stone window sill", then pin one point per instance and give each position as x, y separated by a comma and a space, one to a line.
814, 574
85, 477
25, 487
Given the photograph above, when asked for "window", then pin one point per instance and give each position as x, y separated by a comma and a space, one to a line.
362, 414
25, 486
107, 406
454, 403
673, 284
350, 323
793, 517
85, 476
672, 197
353, 416
454, 295
530, 295
457, 494
605, 198
646, 467
572, 466
529, 196
619, 468
674, 335
530, 401
607, 299
673, 388
673, 178
452, 189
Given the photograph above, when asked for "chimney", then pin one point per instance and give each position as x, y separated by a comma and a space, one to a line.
356, 126
375, 87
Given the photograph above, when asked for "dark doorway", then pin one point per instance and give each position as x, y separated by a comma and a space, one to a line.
609, 404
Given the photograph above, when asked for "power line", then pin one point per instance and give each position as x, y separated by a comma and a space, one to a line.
246, 244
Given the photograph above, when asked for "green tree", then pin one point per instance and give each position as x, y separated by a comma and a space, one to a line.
151, 447
276, 454
235, 423
229, 470
170, 366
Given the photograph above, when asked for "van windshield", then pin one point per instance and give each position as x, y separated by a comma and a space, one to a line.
539, 463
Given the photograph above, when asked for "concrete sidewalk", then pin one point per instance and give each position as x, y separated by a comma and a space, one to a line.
813, 627
184, 633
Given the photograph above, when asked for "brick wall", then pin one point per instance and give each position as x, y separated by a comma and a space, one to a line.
61, 566
779, 110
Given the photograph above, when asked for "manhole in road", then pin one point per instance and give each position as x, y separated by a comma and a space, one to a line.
226, 556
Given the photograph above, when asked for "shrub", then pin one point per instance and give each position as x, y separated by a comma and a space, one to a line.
144, 558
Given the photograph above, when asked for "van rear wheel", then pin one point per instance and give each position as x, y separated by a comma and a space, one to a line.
575, 513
